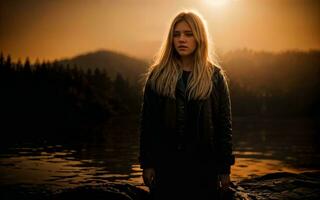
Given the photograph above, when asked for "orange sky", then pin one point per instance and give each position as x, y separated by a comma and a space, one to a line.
57, 29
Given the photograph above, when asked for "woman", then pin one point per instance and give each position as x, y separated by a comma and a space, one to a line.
185, 130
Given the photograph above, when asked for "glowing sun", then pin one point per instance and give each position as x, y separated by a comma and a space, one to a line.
217, 3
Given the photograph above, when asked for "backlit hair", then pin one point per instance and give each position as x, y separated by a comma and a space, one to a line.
166, 69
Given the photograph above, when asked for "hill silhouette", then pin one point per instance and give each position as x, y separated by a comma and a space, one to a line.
112, 62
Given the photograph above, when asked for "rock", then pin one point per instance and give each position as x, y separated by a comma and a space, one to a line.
280, 185
103, 192
100, 192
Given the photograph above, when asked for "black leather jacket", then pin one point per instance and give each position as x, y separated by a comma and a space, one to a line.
165, 121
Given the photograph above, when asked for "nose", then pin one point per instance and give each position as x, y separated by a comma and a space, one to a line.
182, 38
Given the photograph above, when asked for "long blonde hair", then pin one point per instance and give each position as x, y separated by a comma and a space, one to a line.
165, 70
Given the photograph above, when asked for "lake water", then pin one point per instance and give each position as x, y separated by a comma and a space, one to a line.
261, 146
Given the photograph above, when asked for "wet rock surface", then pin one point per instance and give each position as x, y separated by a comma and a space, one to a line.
280, 185
99, 192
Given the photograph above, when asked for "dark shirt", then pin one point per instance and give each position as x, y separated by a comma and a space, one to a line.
185, 76
183, 135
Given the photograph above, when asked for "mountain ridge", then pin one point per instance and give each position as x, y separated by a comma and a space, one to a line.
112, 62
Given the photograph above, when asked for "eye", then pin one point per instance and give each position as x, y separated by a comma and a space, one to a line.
189, 34
176, 34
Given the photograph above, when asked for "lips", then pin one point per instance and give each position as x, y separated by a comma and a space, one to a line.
182, 46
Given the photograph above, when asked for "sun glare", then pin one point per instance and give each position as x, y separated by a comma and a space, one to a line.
217, 3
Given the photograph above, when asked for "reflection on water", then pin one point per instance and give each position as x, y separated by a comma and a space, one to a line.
261, 147
245, 168
60, 168
282, 145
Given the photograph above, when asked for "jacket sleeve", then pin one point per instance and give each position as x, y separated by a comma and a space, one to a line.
226, 158
147, 107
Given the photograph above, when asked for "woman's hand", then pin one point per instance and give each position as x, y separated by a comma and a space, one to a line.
148, 176
224, 179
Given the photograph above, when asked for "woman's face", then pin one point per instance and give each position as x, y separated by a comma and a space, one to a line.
183, 39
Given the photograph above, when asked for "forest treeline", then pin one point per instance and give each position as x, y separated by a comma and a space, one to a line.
49, 96
52, 96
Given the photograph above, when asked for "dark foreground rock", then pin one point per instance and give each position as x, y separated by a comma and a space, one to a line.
116, 192
271, 186
280, 185
98, 192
